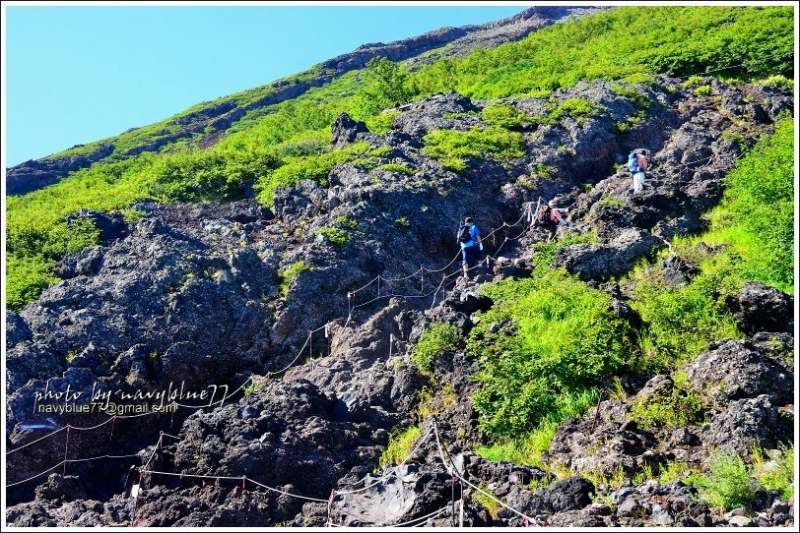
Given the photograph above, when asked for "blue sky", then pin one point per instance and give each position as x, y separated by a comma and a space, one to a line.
74, 74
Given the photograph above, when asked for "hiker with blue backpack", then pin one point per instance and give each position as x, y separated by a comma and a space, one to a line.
469, 237
637, 165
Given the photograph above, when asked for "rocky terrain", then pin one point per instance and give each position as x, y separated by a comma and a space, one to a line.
317, 363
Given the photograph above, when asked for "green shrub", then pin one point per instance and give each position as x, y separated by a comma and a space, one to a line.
436, 340
561, 338
683, 406
527, 448
380, 151
505, 116
703, 90
776, 473
693, 81
672, 471
728, 484
401, 444
488, 500
777, 81
639, 100
756, 216
132, 216
335, 236
397, 167
347, 222
382, 123
448, 145
578, 108
286, 276
316, 167
542, 171
679, 322
25, 279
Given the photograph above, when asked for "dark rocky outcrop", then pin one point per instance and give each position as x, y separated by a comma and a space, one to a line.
32, 175
344, 130
758, 307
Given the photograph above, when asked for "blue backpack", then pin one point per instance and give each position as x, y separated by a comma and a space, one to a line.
633, 163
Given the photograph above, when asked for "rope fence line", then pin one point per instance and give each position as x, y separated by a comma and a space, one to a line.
451, 469
114, 418
31, 443
389, 473
64, 462
528, 213
68, 428
417, 521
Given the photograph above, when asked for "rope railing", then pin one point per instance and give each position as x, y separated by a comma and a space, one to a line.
64, 462
389, 473
454, 471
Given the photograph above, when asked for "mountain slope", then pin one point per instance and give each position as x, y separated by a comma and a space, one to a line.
335, 309
209, 118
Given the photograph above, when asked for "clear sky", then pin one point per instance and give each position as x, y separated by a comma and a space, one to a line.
73, 73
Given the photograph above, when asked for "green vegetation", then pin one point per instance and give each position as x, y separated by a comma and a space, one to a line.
285, 277
401, 444
335, 236
505, 116
775, 473
681, 407
524, 378
703, 90
437, 339
755, 218
627, 43
728, 483
382, 123
680, 322
542, 171
672, 471
432, 403
314, 167
639, 100
562, 339
528, 447
450, 147
347, 222
578, 108
778, 81
551, 342
490, 502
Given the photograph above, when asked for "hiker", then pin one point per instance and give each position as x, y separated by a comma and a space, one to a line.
637, 165
469, 237
550, 218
